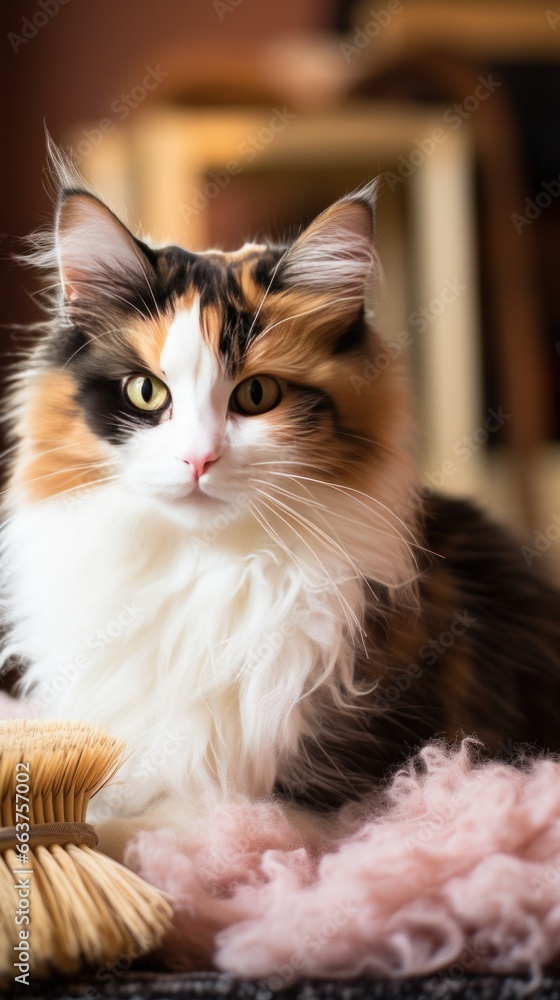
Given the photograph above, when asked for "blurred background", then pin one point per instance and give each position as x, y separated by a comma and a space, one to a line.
210, 122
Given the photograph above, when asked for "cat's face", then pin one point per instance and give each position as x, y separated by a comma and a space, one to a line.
192, 379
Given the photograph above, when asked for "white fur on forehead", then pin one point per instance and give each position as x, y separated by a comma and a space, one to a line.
336, 250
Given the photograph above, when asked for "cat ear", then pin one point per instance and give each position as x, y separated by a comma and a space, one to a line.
335, 253
96, 254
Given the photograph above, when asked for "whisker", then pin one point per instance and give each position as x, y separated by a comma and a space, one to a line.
328, 304
335, 546
334, 513
101, 288
264, 523
266, 293
39, 454
331, 542
350, 490
344, 603
59, 472
151, 291
71, 489
8, 451
111, 331
297, 462
294, 496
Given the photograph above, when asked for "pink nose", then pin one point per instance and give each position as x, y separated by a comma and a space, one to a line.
198, 466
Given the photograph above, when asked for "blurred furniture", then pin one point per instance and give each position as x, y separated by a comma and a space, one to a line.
358, 115
171, 164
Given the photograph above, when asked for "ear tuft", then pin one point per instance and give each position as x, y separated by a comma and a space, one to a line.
61, 173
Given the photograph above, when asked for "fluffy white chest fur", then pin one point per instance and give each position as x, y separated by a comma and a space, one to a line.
202, 654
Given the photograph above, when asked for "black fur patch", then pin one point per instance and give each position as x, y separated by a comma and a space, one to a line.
515, 641
264, 270
354, 335
99, 391
109, 414
509, 657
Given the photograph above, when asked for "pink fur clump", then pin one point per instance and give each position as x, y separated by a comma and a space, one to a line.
459, 863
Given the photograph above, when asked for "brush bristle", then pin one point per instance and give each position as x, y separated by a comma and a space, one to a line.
66, 763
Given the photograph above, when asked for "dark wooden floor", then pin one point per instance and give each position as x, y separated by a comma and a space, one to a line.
207, 986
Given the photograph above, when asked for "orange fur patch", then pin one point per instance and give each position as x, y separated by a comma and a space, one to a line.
298, 348
148, 337
58, 452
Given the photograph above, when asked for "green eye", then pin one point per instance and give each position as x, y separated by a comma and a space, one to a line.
256, 395
146, 392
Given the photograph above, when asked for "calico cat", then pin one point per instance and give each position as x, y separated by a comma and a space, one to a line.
214, 539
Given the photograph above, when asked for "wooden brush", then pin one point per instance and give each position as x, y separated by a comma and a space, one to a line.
63, 904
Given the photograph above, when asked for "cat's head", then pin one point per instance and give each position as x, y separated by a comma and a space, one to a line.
192, 379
